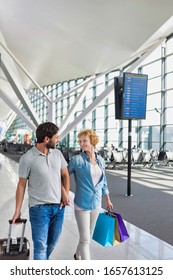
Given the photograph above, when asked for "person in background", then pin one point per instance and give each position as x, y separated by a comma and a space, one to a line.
112, 147
91, 184
44, 168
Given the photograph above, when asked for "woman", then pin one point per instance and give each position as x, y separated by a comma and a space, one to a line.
91, 184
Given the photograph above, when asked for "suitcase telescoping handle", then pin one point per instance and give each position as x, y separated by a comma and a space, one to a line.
17, 221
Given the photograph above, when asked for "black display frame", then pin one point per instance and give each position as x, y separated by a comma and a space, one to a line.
130, 96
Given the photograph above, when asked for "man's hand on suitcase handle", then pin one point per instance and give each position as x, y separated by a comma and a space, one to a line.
16, 216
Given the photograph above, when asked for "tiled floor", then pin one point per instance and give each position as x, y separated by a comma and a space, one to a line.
140, 246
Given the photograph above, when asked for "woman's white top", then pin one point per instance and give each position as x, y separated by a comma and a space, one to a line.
95, 173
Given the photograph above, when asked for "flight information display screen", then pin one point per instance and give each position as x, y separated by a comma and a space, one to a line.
134, 96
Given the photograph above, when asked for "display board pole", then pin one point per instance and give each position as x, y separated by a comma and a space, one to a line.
129, 157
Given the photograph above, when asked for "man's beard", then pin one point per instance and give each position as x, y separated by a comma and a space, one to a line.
50, 145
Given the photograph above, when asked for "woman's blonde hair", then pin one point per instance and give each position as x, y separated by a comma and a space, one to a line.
94, 139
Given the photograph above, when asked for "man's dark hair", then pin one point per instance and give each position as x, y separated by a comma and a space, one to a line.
46, 129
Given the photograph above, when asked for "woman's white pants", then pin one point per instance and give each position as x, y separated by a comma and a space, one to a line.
86, 220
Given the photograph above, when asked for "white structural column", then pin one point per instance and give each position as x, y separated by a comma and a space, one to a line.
51, 109
20, 92
51, 112
9, 102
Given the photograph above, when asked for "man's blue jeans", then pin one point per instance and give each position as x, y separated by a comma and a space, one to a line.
46, 225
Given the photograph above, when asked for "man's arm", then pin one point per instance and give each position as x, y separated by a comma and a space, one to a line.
65, 187
64, 198
65, 179
19, 198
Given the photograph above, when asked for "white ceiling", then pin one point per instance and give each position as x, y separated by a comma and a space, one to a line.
58, 40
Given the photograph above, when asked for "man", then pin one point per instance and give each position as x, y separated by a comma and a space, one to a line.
45, 170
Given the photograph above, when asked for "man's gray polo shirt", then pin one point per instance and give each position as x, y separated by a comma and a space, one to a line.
44, 175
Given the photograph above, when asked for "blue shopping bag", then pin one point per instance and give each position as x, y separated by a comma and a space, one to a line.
104, 230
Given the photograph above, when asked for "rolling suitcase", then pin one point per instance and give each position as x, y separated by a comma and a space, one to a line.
15, 249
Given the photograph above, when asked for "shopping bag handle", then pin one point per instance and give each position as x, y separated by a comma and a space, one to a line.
19, 220
110, 213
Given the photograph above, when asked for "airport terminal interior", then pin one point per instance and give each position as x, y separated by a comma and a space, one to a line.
68, 63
